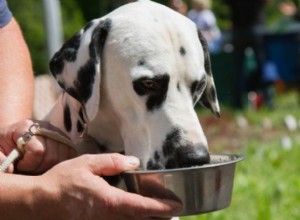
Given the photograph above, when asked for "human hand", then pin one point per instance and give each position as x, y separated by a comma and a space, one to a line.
41, 153
75, 189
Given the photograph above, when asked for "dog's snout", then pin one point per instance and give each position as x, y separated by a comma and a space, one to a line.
188, 156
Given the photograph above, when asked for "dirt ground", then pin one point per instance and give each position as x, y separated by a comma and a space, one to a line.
223, 134
231, 133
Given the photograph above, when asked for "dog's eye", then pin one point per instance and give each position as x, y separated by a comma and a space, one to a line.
154, 85
150, 84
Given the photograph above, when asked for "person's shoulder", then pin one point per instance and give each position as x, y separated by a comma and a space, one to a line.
191, 13
5, 13
208, 12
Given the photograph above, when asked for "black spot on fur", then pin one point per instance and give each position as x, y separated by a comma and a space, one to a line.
157, 93
68, 52
141, 63
182, 51
207, 63
178, 87
67, 118
56, 65
197, 88
72, 92
206, 100
80, 127
171, 163
61, 84
100, 34
172, 142
156, 156
194, 87
151, 165
209, 96
71, 47
88, 25
85, 80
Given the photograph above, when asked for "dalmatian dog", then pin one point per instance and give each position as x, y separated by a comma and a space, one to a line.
130, 81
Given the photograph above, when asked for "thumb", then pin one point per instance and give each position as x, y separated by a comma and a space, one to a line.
111, 164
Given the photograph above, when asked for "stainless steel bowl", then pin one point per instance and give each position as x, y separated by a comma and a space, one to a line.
199, 189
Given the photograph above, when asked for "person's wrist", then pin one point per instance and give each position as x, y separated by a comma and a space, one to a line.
45, 196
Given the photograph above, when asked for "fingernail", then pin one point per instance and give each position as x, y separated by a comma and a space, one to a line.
133, 161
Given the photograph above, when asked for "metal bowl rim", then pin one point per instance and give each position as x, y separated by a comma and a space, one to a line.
235, 158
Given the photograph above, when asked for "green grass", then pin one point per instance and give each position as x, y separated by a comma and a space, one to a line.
267, 182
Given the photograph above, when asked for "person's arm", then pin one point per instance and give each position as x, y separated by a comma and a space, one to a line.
75, 190
16, 76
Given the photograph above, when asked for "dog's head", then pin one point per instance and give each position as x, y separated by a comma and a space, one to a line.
138, 73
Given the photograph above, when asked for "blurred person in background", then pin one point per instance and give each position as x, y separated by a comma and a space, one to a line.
248, 23
290, 8
179, 6
206, 22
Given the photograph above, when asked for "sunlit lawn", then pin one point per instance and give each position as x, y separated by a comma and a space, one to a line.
267, 183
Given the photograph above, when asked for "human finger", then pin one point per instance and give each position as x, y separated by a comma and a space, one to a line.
65, 152
56, 152
110, 164
51, 156
137, 205
34, 153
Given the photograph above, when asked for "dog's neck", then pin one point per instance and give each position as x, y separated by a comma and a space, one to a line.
105, 129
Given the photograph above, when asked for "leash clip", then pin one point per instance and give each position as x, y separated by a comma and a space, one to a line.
26, 137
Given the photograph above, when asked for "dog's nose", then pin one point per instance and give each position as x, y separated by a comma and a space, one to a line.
188, 156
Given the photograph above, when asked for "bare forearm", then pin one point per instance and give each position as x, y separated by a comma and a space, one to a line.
16, 196
27, 198
16, 76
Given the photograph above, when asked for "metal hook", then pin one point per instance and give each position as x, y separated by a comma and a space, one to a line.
26, 137
34, 126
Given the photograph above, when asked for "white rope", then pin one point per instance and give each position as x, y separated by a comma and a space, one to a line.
13, 155
34, 129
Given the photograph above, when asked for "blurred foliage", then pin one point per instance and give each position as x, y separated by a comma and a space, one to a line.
76, 13
30, 15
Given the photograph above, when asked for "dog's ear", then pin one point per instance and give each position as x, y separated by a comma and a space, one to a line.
77, 65
209, 97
